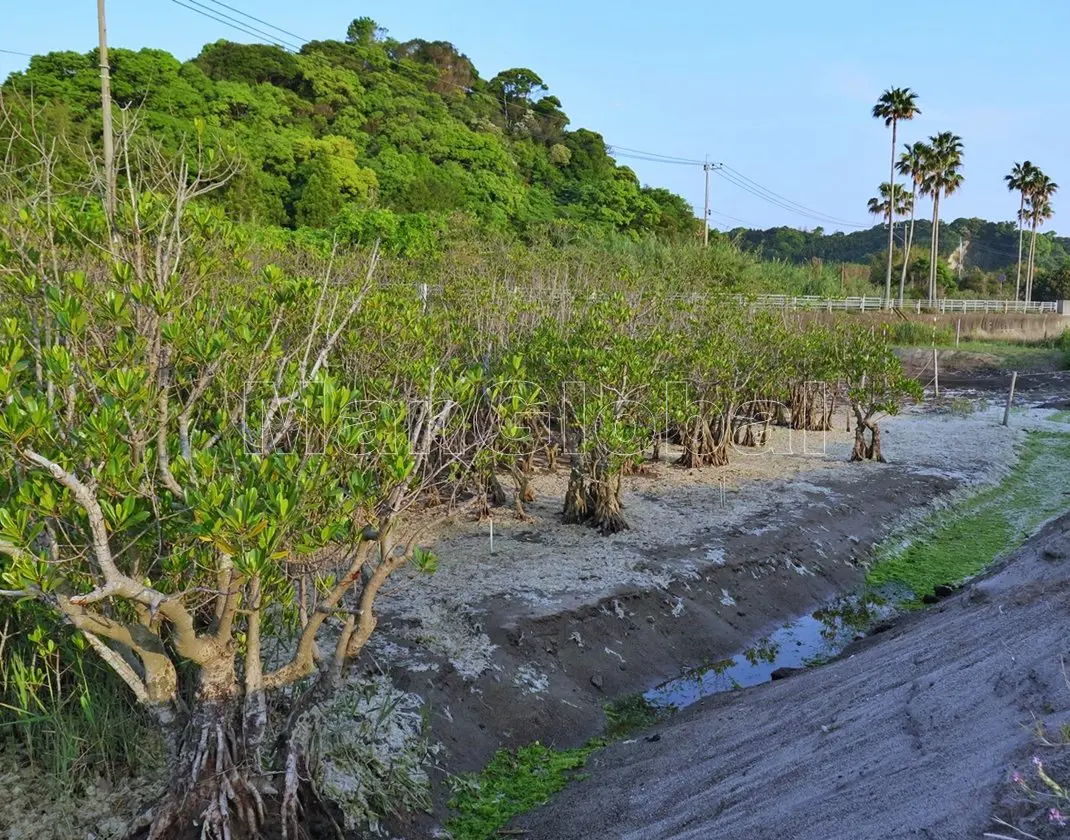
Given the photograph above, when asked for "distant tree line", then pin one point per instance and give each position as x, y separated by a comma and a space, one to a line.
988, 252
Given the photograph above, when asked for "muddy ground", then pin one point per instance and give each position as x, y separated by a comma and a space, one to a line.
910, 735
531, 642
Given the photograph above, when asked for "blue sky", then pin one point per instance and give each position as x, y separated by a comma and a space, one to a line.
779, 90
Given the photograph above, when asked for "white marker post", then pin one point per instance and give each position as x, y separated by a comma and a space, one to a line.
936, 375
1010, 399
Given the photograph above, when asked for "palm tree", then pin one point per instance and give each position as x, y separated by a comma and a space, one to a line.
900, 202
942, 178
895, 104
1037, 211
911, 164
1019, 180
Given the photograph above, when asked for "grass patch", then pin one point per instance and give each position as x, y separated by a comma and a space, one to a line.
518, 780
953, 544
1021, 355
1060, 417
515, 781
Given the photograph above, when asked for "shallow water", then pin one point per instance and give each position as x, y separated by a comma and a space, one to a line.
807, 641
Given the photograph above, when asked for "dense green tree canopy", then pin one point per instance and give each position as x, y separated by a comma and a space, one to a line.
367, 123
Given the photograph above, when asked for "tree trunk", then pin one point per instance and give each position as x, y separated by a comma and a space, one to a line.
910, 243
605, 494
935, 248
215, 781
491, 493
576, 506
520, 472
693, 442
1021, 239
1032, 263
891, 224
866, 449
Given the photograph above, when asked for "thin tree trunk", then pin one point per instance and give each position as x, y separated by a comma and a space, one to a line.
909, 244
1021, 237
891, 225
1032, 263
934, 247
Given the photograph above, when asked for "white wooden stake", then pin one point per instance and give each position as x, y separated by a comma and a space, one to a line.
936, 375
1010, 399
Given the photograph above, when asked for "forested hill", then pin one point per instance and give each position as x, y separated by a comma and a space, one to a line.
988, 246
369, 124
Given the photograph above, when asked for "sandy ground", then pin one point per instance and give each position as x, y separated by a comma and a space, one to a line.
530, 642
910, 736
541, 568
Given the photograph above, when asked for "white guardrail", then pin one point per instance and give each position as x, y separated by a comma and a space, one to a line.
875, 304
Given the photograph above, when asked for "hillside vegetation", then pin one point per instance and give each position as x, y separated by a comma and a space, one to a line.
365, 125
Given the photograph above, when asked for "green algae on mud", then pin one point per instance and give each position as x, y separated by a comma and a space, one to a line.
956, 543
515, 781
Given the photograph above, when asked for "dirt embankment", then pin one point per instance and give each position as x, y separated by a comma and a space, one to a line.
910, 735
530, 642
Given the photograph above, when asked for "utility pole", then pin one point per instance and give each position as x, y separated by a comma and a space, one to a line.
706, 214
105, 110
707, 168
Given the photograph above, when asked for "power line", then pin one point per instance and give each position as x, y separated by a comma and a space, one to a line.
802, 207
616, 154
787, 204
233, 25
656, 156
258, 20
247, 27
16, 52
733, 218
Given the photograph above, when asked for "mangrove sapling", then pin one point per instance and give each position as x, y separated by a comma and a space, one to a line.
615, 350
186, 478
518, 407
811, 388
876, 385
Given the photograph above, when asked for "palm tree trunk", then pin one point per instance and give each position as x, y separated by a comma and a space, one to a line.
1021, 237
1032, 263
934, 248
891, 224
909, 243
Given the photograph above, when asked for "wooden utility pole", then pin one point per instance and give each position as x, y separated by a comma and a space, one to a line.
105, 110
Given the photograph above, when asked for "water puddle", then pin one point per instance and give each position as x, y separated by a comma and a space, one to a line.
805, 642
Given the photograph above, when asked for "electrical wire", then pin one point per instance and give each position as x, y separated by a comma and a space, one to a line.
785, 205
733, 218
16, 52
234, 23
616, 154
263, 22
657, 156
735, 175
